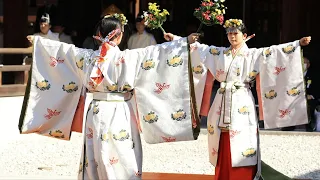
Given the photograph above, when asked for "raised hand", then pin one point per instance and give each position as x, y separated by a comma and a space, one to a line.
30, 38
193, 37
168, 36
305, 41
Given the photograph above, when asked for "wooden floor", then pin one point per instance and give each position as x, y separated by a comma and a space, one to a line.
167, 176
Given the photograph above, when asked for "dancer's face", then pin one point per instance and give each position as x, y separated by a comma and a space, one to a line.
236, 38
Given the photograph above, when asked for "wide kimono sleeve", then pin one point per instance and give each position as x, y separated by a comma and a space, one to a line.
165, 92
207, 57
53, 89
281, 84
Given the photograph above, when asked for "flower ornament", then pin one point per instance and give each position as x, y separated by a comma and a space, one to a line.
121, 17
210, 13
233, 25
154, 18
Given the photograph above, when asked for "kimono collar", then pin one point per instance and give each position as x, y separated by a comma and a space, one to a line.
243, 50
107, 47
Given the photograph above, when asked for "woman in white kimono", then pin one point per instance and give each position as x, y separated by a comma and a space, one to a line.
232, 123
45, 26
112, 147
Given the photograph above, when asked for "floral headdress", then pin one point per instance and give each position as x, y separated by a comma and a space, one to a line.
210, 12
233, 25
121, 17
154, 18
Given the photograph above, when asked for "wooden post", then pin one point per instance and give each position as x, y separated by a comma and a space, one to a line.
15, 21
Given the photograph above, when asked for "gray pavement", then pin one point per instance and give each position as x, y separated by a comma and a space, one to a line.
31, 156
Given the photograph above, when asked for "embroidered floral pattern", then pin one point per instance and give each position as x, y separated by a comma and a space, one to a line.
219, 111
210, 129
43, 85
121, 136
233, 133
238, 71
151, 117
148, 64
80, 63
56, 134
284, 113
175, 61
253, 74
293, 91
250, 152
90, 134
86, 162
51, 113
168, 139
198, 69
178, 115
267, 52
71, 87
289, 49
244, 110
214, 51
104, 137
113, 161
278, 70
219, 72
161, 87
54, 62
80, 168
193, 48
214, 152
227, 52
113, 87
96, 109
127, 88
120, 61
271, 94
138, 174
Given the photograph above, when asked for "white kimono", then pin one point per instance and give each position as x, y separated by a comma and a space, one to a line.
143, 40
50, 35
282, 89
161, 77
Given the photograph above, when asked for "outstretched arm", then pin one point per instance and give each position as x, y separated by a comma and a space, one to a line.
282, 83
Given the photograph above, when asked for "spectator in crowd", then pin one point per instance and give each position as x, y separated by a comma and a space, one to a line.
59, 28
45, 26
141, 38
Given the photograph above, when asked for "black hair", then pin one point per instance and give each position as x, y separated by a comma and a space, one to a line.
106, 25
243, 28
139, 17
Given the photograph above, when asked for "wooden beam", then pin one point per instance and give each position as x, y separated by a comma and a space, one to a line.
12, 90
16, 50
8, 68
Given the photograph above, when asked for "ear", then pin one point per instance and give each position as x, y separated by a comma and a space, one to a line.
245, 36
